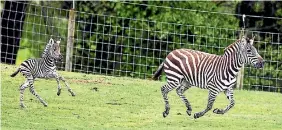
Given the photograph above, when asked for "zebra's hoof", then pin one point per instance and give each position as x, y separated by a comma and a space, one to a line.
196, 115
188, 112
58, 93
165, 114
218, 111
45, 105
72, 94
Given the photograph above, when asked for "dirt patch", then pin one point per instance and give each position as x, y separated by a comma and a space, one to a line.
96, 81
86, 81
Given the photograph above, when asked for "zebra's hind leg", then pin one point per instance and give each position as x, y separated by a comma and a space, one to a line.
69, 89
211, 99
22, 88
180, 91
229, 95
31, 89
165, 89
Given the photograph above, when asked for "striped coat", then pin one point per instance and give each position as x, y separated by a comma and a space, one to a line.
185, 68
44, 67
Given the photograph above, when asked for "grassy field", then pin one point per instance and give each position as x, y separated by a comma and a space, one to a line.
105, 102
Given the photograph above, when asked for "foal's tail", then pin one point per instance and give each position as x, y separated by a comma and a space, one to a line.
15, 73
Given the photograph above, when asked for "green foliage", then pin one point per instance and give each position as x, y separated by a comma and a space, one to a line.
136, 33
41, 23
126, 103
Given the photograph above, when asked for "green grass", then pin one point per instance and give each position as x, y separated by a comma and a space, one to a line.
126, 103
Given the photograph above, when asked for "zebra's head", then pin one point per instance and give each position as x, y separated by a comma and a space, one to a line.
55, 49
250, 54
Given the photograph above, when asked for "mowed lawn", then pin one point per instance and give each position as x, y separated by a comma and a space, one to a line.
106, 102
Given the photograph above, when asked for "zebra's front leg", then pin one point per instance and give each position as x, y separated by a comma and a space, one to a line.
67, 86
31, 89
165, 89
211, 99
229, 95
180, 91
56, 76
59, 86
22, 88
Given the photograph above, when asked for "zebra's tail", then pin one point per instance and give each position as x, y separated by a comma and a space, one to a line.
158, 72
15, 73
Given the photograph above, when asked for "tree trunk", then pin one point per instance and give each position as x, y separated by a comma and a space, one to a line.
13, 15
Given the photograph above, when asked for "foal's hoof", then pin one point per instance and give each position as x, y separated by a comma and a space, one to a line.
72, 94
58, 93
165, 114
188, 112
45, 105
22, 106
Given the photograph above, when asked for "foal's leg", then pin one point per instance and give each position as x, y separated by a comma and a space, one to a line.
58, 78
32, 90
66, 84
59, 87
22, 88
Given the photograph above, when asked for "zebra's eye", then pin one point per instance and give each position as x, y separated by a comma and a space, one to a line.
248, 50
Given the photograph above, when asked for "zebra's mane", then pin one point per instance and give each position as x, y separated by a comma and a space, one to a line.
47, 48
231, 45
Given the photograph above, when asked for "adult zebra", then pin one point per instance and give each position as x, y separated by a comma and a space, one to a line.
44, 67
185, 68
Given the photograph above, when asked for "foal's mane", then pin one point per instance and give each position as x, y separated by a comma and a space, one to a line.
46, 50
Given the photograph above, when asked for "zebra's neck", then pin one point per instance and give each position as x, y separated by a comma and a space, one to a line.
49, 60
46, 50
233, 59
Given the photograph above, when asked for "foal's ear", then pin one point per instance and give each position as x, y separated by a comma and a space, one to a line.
252, 40
58, 41
51, 41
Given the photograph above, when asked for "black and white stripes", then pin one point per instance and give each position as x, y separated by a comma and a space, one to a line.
185, 68
44, 67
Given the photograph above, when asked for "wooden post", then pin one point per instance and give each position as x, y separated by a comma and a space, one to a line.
240, 78
71, 29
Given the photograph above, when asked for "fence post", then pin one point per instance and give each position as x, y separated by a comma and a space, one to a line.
70, 41
240, 78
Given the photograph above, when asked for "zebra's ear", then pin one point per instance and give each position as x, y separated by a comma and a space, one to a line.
252, 40
51, 41
58, 41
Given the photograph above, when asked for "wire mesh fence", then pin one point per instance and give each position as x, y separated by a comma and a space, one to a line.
111, 44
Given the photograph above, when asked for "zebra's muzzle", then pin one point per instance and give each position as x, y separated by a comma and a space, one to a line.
259, 64
60, 58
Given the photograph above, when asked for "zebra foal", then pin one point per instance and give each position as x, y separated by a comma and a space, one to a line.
185, 68
43, 67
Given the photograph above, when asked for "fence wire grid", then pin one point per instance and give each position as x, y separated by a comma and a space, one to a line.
128, 46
